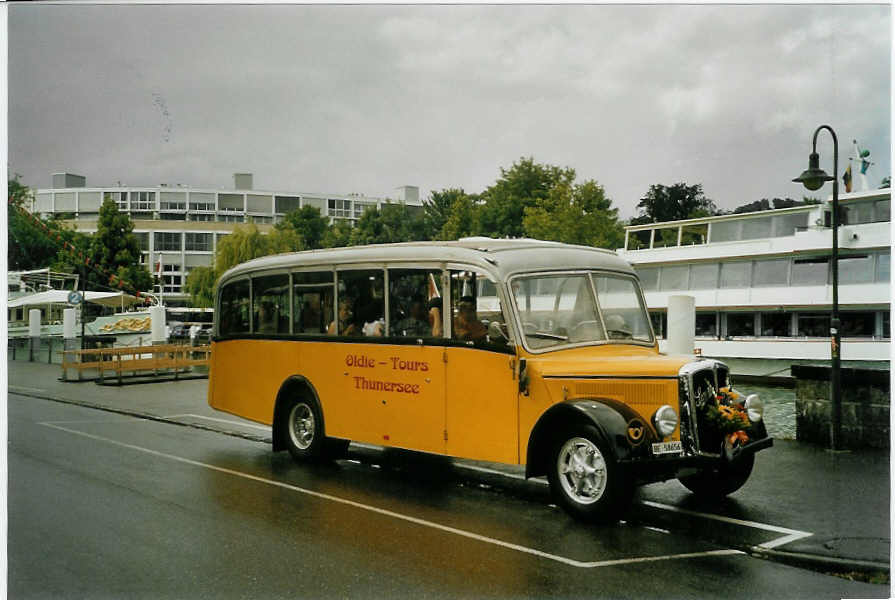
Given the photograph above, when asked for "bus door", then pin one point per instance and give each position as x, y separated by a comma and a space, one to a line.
412, 368
481, 390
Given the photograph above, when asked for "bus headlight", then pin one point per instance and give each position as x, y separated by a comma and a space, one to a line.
665, 421
754, 408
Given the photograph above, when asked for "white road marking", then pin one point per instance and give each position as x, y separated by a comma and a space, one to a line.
791, 534
403, 517
230, 421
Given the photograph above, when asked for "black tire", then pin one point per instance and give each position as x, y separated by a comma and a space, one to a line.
585, 479
717, 483
303, 429
336, 448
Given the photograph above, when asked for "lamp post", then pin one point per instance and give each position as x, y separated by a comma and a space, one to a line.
813, 178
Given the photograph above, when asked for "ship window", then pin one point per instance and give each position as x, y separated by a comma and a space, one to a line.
861, 212
740, 324
882, 266
814, 324
856, 269
788, 224
771, 272
706, 325
775, 324
882, 212
887, 331
735, 274
726, 231
810, 271
659, 321
649, 278
756, 228
674, 278
857, 324
704, 277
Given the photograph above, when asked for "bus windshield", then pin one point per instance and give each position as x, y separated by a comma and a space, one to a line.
561, 309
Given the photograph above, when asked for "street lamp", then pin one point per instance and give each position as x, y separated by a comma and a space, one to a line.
813, 178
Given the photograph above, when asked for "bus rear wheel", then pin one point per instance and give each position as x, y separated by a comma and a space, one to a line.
585, 479
304, 430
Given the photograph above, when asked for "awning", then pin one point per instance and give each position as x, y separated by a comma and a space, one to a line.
61, 297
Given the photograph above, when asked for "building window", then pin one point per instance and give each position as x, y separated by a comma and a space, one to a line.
339, 208
198, 241
740, 324
142, 200
231, 218
361, 207
231, 202
200, 217
776, 324
258, 219
119, 198
167, 241
142, 240
286, 204
882, 212
172, 216
887, 330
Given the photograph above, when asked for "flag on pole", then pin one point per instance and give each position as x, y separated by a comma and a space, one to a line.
846, 179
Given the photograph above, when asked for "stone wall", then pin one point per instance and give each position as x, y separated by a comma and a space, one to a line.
865, 406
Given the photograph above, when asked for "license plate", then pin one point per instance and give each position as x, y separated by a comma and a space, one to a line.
667, 448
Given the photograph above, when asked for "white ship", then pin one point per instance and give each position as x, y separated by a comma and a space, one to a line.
762, 281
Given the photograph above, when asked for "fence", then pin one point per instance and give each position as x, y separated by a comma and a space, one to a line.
153, 362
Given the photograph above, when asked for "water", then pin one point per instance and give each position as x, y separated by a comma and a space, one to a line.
779, 408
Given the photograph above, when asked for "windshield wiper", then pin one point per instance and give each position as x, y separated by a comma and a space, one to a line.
547, 336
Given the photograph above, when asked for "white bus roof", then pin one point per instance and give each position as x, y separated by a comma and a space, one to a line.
501, 257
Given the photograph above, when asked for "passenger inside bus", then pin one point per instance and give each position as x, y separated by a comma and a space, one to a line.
466, 325
347, 326
416, 323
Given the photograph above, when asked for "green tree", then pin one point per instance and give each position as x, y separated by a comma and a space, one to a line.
244, 243
337, 235
577, 214
673, 203
29, 245
463, 220
114, 248
308, 223
438, 209
200, 286
518, 188
389, 224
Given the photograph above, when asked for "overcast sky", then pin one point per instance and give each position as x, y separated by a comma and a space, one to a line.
365, 99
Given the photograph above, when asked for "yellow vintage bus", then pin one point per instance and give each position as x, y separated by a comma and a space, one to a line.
511, 351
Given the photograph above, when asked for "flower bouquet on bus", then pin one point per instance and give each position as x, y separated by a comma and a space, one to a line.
727, 419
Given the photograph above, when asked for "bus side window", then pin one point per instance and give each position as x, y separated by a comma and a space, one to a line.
312, 297
270, 298
410, 292
361, 303
476, 313
234, 312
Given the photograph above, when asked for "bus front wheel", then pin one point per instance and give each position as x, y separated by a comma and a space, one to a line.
304, 430
585, 479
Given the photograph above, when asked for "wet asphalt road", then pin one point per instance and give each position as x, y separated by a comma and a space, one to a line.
103, 505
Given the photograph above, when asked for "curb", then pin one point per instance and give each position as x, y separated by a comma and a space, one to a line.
814, 562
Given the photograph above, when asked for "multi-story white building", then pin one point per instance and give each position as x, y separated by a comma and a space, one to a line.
179, 226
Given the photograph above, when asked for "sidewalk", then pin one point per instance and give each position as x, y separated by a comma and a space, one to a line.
842, 498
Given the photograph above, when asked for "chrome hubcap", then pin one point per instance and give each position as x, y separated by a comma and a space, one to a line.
582, 470
301, 426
